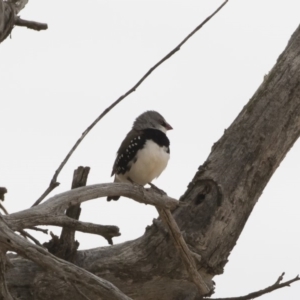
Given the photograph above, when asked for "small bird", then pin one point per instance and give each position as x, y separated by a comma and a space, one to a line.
144, 153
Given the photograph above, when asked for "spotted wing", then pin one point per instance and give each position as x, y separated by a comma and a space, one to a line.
126, 154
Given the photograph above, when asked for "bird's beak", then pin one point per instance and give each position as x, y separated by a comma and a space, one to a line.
168, 126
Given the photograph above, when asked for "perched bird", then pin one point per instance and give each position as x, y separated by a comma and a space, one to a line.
144, 153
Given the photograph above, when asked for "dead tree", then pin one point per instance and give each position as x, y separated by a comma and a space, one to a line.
189, 244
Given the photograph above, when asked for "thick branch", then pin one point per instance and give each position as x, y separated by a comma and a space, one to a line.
92, 285
53, 183
277, 285
4, 263
51, 212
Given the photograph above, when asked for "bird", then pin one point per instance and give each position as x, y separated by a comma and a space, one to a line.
145, 151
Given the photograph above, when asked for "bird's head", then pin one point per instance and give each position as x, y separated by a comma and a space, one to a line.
151, 119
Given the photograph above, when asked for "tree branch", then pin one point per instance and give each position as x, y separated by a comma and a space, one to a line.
60, 202
3, 208
53, 183
52, 211
184, 251
30, 24
66, 247
64, 270
106, 231
38, 229
3, 190
25, 234
277, 285
79, 180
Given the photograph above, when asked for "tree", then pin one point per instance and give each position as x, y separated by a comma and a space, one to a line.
219, 200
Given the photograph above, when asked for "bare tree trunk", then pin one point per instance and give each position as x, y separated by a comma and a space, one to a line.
220, 199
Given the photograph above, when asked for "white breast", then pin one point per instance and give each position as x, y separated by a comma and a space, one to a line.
150, 162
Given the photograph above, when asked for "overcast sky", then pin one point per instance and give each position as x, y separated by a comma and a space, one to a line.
56, 82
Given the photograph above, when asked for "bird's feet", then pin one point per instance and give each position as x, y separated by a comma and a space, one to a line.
156, 189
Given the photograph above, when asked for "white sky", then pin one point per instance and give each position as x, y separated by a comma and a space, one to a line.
55, 83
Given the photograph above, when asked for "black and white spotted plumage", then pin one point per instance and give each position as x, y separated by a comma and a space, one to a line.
145, 151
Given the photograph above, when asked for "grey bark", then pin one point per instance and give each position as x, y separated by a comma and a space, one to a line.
66, 246
9, 18
8, 13
218, 200
82, 282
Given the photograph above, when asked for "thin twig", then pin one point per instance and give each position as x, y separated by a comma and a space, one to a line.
27, 235
184, 251
54, 183
277, 285
38, 229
